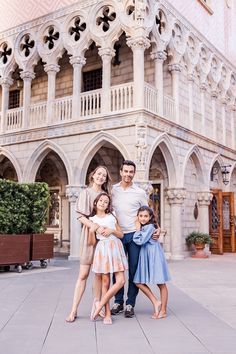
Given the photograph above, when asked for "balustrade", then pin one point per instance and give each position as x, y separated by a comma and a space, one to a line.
38, 114
122, 97
14, 119
169, 107
62, 109
150, 98
90, 103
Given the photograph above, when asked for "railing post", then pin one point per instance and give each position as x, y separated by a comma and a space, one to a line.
5, 82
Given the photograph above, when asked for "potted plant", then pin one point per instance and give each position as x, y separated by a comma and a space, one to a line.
23, 212
199, 240
41, 243
14, 235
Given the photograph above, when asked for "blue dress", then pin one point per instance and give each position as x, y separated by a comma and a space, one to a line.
152, 266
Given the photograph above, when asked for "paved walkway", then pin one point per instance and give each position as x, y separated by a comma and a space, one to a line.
201, 313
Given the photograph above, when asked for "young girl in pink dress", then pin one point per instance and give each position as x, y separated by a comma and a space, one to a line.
109, 256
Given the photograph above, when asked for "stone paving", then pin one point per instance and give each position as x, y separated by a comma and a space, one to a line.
201, 313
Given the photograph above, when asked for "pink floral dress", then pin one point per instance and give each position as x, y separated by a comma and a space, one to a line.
109, 256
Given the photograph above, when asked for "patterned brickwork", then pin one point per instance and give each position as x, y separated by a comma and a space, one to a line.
16, 12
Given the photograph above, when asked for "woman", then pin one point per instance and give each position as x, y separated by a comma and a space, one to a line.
99, 181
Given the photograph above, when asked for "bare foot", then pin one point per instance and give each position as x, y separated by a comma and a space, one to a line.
156, 310
107, 320
72, 317
96, 310
161, 314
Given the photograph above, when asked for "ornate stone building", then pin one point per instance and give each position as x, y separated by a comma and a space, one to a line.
97, 82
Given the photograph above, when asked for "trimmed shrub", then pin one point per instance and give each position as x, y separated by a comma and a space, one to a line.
23, 207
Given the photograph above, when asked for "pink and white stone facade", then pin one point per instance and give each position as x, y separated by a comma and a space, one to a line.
166, 101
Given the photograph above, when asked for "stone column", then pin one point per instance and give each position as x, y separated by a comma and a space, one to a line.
175, 197
27, 77
203, 122
175, 70
190, 99
51, 70
159, 58
233, 143
138, 46
213, 105
72, 192
204, 200
223, 116
5, 82
106, 54
77, 62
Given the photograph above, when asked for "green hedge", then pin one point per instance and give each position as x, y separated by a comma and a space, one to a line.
23, 207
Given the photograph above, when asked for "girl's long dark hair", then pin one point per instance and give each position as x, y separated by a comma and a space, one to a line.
109, 207
150, 212
106, 187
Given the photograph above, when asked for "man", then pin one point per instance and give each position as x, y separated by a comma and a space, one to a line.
127, 198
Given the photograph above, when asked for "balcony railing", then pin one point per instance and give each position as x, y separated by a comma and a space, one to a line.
14, 119
91, 105
150, 98
122, 97
38, 114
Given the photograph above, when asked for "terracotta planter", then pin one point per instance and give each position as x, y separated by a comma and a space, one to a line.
41, 247
200, 253
14, 249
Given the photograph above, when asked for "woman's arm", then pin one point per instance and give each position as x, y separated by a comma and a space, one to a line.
85, 221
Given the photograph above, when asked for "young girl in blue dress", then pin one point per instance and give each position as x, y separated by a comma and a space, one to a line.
152, 266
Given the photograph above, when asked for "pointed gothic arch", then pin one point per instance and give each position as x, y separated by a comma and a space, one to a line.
199, 163
90, 150
13, 160
170, 156
37, 157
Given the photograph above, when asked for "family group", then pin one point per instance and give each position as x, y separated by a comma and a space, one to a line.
119, 233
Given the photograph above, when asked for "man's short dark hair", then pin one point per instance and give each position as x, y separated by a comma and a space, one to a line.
128, 163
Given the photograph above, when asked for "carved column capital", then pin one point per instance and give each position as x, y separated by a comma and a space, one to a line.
51, 68
77, 60
204, 198
27, 75
159, 55
6, 81
72, 192
107, 53
140, 42
176, 195
174, 67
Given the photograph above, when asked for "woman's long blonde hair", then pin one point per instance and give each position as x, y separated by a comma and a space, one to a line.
106, 187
